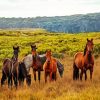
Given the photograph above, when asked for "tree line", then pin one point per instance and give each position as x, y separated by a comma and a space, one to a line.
67, 24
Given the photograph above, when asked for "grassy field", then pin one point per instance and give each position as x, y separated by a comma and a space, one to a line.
64, 46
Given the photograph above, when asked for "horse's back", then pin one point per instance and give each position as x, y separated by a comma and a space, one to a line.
6, 65
28, 61
6, 60
43, 58
78, 59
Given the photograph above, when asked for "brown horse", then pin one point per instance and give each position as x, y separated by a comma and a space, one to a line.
37, 64
10, 69
84, 61
50, 66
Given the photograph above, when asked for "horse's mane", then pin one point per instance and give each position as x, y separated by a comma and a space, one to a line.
85, 49
89, 56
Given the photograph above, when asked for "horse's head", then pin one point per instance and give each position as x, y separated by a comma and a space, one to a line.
89, 46
33, 48
48, 55
16, 51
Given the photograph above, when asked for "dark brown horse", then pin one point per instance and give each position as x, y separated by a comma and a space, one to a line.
84, 61
23, 74
37, 64
50, 66
10, 69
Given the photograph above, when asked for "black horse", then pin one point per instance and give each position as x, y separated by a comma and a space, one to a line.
10, 68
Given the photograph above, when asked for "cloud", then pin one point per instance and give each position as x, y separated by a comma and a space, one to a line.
32, 8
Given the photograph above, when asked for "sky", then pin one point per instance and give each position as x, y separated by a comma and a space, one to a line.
34, 8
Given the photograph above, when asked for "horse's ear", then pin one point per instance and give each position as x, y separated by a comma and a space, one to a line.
13, 47
31, 46
18, 48
46, 50
92, 40
87, 40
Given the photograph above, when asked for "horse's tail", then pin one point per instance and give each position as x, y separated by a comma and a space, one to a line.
22, 70
60, 68
75, 72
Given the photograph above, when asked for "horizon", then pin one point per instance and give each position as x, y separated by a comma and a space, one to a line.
53, 16
47, 8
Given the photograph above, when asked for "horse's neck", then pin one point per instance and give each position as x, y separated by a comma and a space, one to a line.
14, 59
88, 56
36, 57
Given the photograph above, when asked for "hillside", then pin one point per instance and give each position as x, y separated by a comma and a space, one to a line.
60, 43
67, 24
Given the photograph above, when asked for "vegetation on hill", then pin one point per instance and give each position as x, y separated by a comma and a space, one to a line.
61, 44
67, 24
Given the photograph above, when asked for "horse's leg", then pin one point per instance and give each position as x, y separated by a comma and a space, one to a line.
3, 78
81, 74
15, 80
39, 74
34, 74
91, 72
50, 78
55, 76
23, 81
85, 75
77, 73
45, 76
74, 71
9, 80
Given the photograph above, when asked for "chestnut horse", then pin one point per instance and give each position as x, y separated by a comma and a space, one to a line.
84, 61
10, 69
50, 66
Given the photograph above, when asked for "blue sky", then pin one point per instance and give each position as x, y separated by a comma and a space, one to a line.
33, 8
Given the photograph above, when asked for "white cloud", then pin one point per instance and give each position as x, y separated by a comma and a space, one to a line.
32, 8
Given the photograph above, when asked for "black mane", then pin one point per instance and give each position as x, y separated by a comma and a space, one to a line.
85, 49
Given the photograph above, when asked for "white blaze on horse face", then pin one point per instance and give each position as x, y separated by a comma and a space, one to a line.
33, 52
90, 48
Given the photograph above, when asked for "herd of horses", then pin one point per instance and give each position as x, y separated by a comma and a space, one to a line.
16, 71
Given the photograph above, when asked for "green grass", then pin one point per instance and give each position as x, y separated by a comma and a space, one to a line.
59, 43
